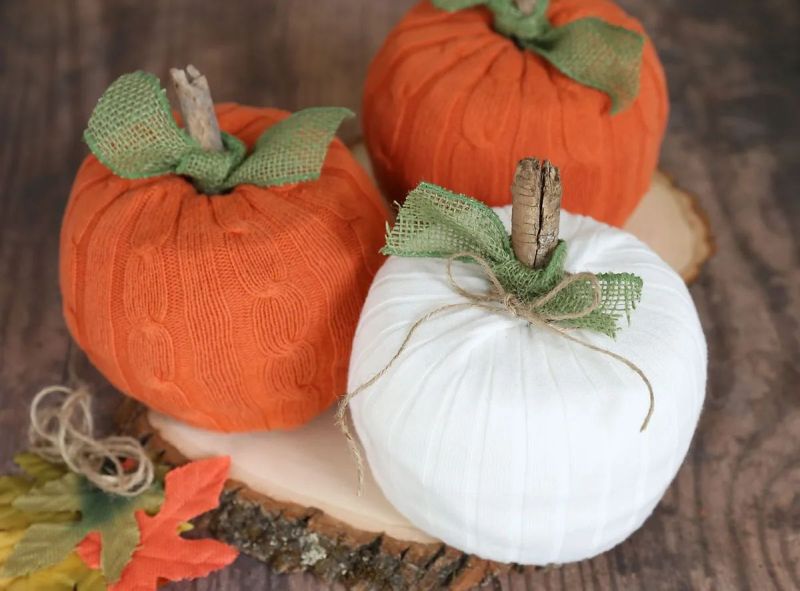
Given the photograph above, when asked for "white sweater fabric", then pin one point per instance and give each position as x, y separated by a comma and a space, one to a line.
510, 442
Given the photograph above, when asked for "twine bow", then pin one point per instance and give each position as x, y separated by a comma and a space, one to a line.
497, 301
64, 433
132, 132
589, 50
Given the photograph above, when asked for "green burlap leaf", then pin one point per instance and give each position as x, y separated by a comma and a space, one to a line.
589, 50
210, 170
434, 222
596, 54
132, 132
113, 516
293, 150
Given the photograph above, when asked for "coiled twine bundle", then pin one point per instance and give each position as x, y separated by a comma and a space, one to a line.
63, 432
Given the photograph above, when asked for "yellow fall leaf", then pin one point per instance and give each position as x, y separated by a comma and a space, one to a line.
71, 574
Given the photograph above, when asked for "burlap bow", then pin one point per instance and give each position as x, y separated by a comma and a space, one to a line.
132, 132
434, 222
588, 50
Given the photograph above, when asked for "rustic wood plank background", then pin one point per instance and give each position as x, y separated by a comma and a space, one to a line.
731, 520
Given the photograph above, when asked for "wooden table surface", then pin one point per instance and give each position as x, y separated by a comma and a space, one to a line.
731, 520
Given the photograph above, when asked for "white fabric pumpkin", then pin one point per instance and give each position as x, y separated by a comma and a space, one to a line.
510, 442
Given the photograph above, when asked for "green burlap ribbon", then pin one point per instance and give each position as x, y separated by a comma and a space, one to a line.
434, 222
132, 132
588, 50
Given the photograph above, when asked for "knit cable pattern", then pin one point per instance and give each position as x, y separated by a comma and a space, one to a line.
232, 312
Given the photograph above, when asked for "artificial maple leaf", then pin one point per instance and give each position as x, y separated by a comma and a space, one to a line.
47, 544
38, 468
71, 574
37, 472
162, 554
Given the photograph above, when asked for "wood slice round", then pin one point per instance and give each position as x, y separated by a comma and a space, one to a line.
292, 496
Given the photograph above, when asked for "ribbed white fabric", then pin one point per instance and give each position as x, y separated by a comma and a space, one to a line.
510, 442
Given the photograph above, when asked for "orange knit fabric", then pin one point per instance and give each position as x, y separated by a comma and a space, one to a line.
230, 312
450, 101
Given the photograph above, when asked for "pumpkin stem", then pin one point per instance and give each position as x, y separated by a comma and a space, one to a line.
197, 107
526, 7
535, 211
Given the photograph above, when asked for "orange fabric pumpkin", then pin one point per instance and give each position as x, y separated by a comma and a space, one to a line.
450, 101
230, 312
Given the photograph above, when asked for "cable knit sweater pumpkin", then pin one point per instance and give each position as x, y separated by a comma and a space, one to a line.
451, 101
230, 312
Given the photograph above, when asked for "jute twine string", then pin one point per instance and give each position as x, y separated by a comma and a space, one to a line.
497, 301
63, 432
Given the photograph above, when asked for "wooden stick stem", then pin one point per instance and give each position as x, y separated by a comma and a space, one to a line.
535, 211
197, 107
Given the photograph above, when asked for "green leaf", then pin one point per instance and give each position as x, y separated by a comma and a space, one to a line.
132, 131
120, 537
596, 54
11, 518
11, 487
71, 574
113, 516
292, 150
38, 468
56, 495
92, 581
43, 545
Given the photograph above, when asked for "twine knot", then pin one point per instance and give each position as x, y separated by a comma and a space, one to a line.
536, 310
63, 432
511, 303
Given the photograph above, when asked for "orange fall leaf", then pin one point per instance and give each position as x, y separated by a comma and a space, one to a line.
162, 554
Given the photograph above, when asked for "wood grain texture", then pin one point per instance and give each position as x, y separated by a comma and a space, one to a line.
731, 519
535, 211
197, 107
